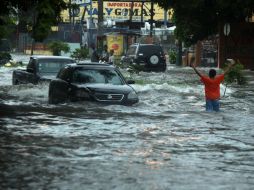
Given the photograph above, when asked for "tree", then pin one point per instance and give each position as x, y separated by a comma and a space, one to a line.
38, 15
80, 53
197, 19
57, 46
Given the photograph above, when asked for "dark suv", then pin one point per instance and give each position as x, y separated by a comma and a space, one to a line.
92, 82
149, 57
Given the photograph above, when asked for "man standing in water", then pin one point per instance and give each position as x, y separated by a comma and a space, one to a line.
212, 86
105, 54
94, 57
111, 58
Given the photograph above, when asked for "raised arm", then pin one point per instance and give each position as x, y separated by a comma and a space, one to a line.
196, 71
232, 63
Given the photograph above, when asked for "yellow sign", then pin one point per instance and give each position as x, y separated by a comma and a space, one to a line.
119, 11
115, 42
54, 28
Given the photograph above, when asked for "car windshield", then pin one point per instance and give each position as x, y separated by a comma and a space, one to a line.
131, 50
103, 76
52, 65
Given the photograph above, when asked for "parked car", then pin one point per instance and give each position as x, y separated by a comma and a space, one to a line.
149, 57
40, 69
97, 82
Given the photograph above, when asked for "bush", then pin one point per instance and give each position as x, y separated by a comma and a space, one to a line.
4, 57
134, 68
80, 54
172, 57
57, 46
235, 75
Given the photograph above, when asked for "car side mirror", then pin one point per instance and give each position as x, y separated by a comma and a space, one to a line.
68, 80
130, 82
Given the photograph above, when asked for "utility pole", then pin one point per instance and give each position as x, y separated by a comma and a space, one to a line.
142, 12
179, 53
165, 17
151, 20
131, 12
100, 24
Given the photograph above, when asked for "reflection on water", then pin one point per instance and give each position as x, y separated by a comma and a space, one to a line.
166, 141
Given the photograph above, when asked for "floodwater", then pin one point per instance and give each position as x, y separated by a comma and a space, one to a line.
165, 142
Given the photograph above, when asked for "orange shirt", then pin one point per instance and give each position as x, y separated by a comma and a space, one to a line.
212, 86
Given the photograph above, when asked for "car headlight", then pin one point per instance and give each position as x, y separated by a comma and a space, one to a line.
81, 93
132, 95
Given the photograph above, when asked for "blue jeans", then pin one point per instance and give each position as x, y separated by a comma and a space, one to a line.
212, 105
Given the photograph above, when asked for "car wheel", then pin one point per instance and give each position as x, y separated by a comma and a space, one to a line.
57, 92
154, 59
15, 82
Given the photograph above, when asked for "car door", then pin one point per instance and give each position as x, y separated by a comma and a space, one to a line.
130, 55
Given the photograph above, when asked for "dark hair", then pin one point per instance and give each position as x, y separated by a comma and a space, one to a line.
212, 73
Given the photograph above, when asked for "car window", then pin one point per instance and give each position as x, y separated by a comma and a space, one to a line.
88, 76
103, 76
149, 50
64, 74
52, 65
112, 77
131, 50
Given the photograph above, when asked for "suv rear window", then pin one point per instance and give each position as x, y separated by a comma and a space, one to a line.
52, 65
148, 50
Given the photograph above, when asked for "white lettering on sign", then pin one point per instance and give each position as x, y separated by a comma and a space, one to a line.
123, 4
78, 2
120, 11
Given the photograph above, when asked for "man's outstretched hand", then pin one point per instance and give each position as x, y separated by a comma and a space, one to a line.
232, 63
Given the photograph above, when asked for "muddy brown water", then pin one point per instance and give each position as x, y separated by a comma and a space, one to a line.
166, 141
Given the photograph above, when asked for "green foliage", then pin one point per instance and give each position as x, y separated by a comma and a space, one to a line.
118, 63
80, 54
46, 15
4, 57
57, 46
135, 68
172, 56
235, 75
197, 19
37, 15
5, 26
166, 4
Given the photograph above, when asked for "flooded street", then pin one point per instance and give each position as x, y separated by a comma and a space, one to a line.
166, 141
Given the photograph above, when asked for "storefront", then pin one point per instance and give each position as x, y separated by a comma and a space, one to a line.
116, 16
115, 11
